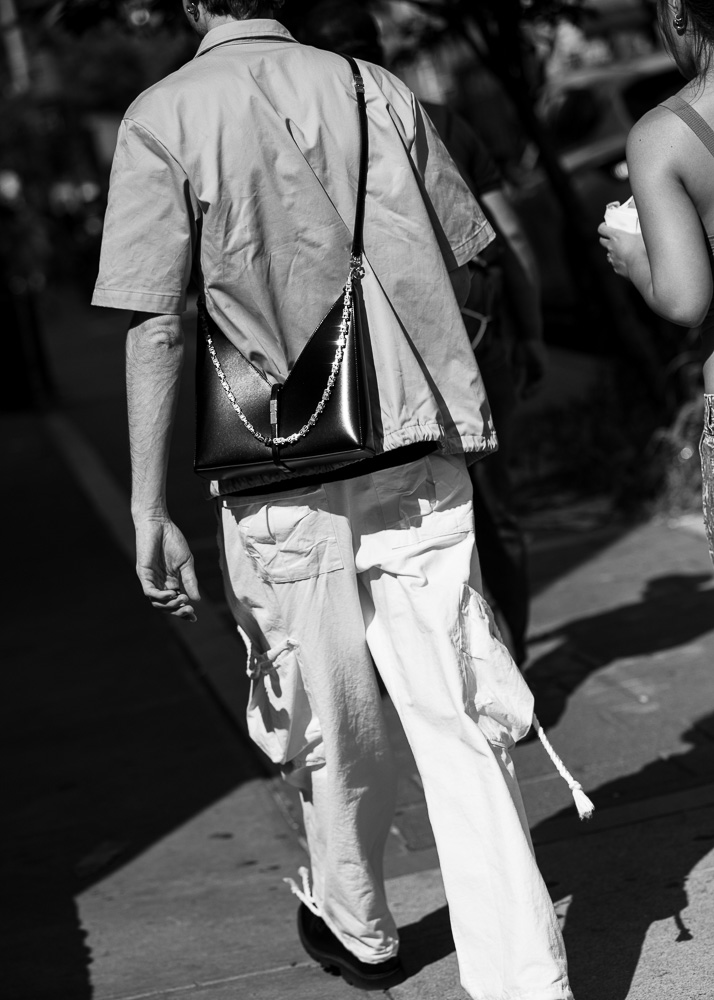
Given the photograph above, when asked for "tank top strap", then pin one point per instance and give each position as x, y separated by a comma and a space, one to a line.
691, 118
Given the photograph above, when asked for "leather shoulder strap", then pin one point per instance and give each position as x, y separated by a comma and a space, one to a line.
692, 118
357, 239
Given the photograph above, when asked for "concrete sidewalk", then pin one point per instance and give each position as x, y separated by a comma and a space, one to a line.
145, 842
142, 849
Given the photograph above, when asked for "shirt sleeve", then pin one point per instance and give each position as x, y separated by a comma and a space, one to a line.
149, 228
459, 223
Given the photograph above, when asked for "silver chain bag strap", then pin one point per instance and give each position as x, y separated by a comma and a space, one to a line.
320, 416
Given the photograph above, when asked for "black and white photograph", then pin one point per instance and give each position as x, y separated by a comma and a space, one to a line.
358, 499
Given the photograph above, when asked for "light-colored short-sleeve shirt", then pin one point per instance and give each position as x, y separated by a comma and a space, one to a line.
246, 160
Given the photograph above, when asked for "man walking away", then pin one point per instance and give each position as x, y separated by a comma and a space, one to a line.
245, 162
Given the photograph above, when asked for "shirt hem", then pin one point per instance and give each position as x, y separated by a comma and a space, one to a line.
473, 446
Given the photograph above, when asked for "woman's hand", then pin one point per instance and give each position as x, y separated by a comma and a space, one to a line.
625, 251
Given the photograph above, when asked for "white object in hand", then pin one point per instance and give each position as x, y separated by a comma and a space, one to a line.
623, 216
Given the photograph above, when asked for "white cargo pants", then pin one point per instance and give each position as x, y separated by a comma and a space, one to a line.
322, 580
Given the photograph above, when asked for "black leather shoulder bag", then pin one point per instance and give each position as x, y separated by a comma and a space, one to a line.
320, 416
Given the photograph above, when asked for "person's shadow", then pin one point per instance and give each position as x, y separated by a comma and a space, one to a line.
624, 879
674, 610
621, 880
109, 747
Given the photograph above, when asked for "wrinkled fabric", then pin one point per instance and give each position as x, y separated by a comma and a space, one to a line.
397, 581
495, 694
706, 453
279, 715
247, 157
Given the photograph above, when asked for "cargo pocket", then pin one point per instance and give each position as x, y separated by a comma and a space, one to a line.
280, 718
434, 505
495, 694
291, 538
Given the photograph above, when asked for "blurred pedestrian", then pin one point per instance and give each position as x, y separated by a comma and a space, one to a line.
246, 161
502, 316
669, 158
503, 320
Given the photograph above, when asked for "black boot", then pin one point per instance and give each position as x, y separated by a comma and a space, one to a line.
322, 945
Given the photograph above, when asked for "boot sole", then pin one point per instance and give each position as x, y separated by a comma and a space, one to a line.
335, 967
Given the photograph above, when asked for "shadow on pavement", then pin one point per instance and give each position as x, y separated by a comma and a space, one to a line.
624, 880
110, 754
674, 610
426, 941
107, 745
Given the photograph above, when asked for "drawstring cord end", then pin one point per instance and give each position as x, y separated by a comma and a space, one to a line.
304, 894
582, 803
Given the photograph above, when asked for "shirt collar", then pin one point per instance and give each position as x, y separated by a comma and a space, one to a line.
244, 31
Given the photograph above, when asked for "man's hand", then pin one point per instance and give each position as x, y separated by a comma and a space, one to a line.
164, 565
530, 365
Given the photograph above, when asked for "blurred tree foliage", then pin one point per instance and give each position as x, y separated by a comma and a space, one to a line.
106, 68
88, 60
113, 62
24, 241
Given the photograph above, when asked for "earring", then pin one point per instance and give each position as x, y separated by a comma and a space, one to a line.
193, 11
679, 22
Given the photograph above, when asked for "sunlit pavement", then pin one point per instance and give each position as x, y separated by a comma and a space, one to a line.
146, 845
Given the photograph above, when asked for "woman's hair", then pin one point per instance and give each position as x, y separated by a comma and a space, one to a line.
240, 9
698, 18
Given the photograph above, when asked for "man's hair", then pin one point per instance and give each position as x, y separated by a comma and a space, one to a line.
240, 9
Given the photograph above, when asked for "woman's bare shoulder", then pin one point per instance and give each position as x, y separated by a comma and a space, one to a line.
657, 135
657, 123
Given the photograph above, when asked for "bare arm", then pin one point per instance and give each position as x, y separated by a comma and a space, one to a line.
668, 264
154, 359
